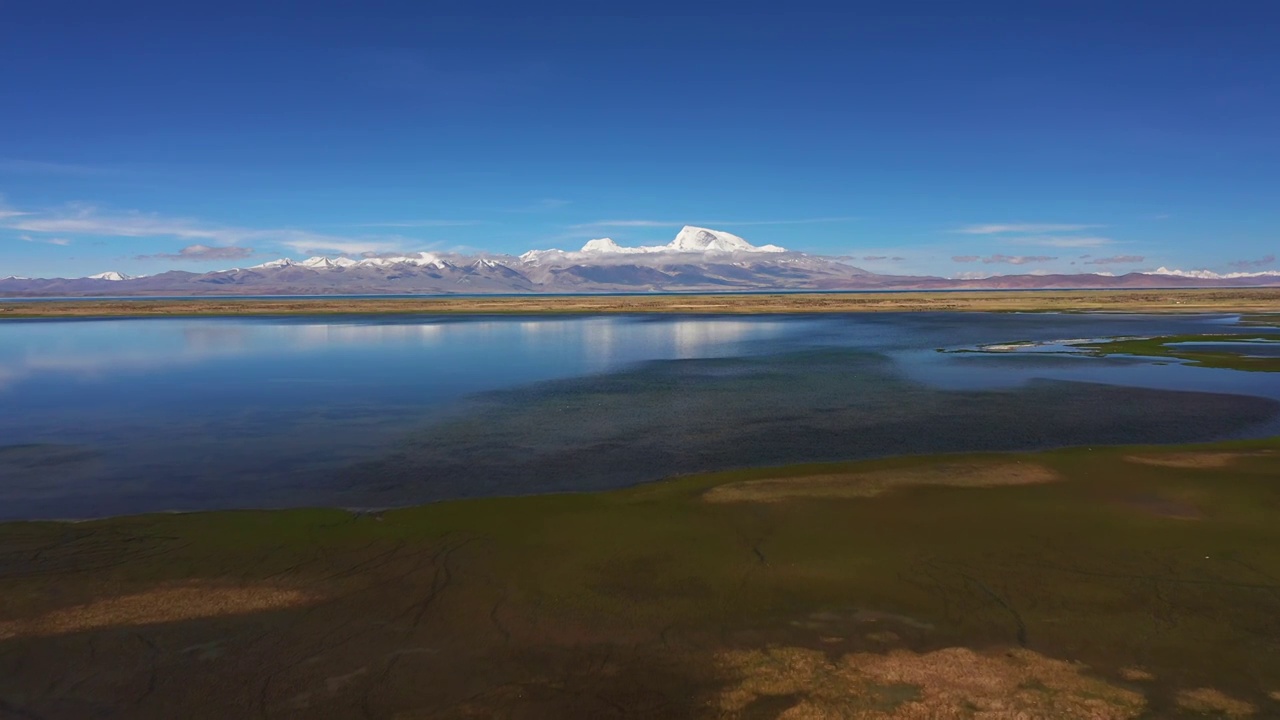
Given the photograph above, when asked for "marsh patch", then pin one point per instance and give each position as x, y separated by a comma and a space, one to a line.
875, 482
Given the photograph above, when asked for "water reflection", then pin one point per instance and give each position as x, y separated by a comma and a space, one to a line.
99, 350
104, 417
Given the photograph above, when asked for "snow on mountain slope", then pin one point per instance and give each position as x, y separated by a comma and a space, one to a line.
607, 245
422, 259
690, 240
1210, 275
702, 240
282, 262
696, 259
324, 263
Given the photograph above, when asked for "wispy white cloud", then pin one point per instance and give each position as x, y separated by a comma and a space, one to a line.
199, 253
1063, 241
87, 220
1253, 264
309, 243
1006, 228
50, 241
84, 220
1116, 260
1017, 259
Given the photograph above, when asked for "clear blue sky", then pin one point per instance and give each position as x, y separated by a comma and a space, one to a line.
1009, 131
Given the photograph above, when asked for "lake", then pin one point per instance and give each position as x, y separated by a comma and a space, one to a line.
106, 417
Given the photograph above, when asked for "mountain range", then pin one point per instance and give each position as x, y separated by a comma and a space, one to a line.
698, 259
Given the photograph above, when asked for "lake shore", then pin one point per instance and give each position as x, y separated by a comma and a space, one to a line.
1141, 584
1248, 300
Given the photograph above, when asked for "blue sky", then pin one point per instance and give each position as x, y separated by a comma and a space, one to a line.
1015, 136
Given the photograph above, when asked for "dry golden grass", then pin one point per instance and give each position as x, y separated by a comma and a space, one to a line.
946, 684
1203, 300
1133, 674
159, 605
1194, 460
1208, 700
875, 482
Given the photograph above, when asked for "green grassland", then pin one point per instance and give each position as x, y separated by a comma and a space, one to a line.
1167, 347
1263, 319
1130, 582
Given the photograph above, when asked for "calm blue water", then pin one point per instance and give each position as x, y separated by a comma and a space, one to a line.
105, 417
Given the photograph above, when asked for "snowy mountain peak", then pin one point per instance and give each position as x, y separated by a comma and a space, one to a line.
696, 239
1211, 275
324, 263
689, 240
703, 240
282, 262
603, 245
421, 259
424, 259
111, 275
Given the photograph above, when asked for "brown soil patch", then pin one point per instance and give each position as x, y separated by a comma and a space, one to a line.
875, 482
160, 605
1193, 460
1208, 700
941, 685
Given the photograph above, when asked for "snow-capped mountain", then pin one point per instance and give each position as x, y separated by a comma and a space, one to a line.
1210, 275
111, 275
689, 241
698, 259
702, 240
423, 259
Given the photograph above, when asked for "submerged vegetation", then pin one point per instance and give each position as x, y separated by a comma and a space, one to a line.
1099, 583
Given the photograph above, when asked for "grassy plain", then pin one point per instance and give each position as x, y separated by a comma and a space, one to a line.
1261, 300
1093, 583
1227, 351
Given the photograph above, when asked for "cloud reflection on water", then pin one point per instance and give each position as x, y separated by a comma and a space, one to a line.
97, 351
